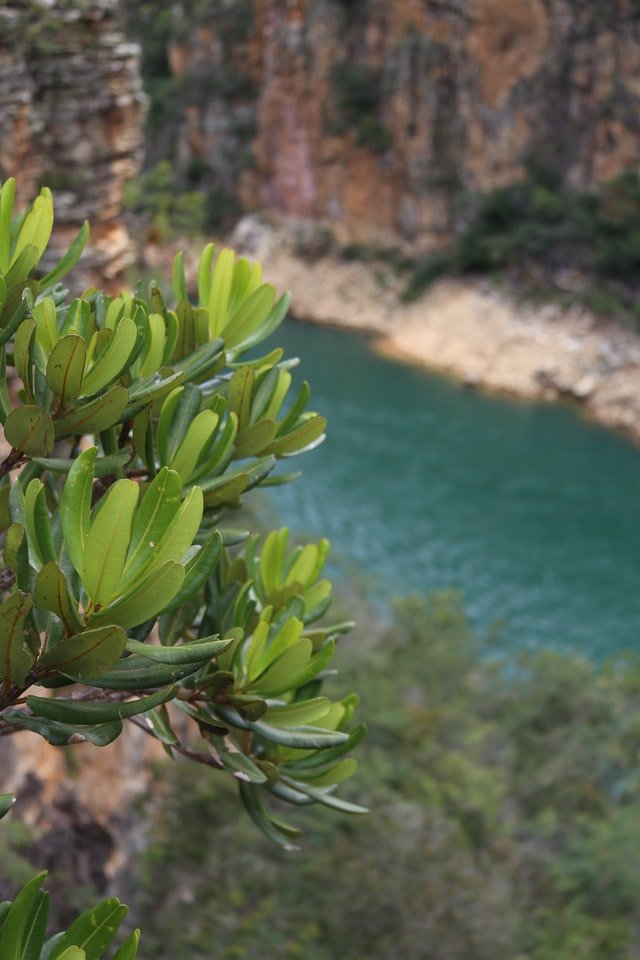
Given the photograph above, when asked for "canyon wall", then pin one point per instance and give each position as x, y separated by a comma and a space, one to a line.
71, 116
383, 118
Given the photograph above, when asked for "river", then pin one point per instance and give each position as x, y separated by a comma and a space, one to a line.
526, 508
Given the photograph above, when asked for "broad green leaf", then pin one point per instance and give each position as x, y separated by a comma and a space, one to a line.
259, 815
23, 347
300, 438
196, 650
71, 953
204, 274
301, 737
79, 711
256, 438
282, 675
16, 923
129, 949
7, 194
7, 801
108, 541
64, 734
180, 532
327, 799
198, 570
158, 507
94, 930
198, 436
218, 301
36, 929
145, 600
113, 359
15, 657
75, 506
38, 524
69, 260
301, 712
139, 673
16, 554
95, 416
30, 429
52, 594
65, 369
87, 654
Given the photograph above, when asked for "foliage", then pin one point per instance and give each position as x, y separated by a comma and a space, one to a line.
136, 428
23, 929
538, 223
357, 93
506, 803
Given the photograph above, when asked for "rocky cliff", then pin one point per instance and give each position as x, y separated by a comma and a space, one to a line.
384, 118
71, 115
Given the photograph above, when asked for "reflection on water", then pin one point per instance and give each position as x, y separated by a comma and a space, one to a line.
533, 513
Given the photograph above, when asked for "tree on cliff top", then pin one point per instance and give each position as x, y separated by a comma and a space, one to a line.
132, 428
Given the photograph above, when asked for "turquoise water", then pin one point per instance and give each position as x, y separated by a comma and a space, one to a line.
533, 513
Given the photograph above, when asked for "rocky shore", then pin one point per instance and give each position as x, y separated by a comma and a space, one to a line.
471, 330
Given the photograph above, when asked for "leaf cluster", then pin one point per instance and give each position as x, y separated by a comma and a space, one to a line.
134, 426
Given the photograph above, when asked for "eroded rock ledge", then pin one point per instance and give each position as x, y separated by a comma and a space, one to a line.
71, 117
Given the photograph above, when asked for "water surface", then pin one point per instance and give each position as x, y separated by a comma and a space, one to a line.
532, 512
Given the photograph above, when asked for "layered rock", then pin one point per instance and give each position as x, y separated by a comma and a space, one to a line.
71, 116
381, 118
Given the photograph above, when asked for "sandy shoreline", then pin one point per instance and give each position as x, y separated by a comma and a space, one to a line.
473, 331
478, 334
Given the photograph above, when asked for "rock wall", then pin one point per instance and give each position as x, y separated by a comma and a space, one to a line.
383, 117
71, 115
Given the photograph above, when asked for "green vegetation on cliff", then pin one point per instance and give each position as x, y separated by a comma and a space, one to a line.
505, 810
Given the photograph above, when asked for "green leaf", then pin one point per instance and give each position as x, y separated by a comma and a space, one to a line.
282, 675
129, 949
309, 432
145, 600
30, 429
196, 651
52, 594
23, 354
218, 300
15, 657
16, 554
327, 799
38, 524
95, 416
255, 439
260, 817
139, 673
113, 359
69, 260
108, 541
300, 712
87, 654
198, 570
16, 923
63, 734
78, 711
36, 928
72, 953
159, 506
75, 506
65, 369
302, 737
94, 930
7, 801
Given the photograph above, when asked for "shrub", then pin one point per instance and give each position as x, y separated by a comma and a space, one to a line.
126, 596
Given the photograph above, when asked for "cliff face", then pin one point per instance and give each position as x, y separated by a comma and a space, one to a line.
383, 117
71, 115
